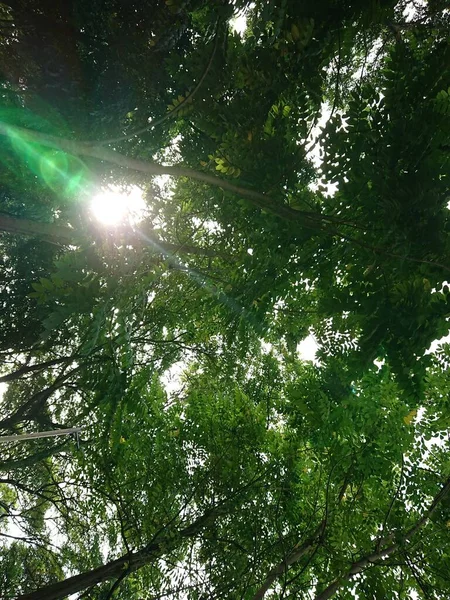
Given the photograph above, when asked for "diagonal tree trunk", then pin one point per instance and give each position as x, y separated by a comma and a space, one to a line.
65, 236
310, 220
49, 232
111, 570
123, 565
294, 556
378, 556
26, 369
34, 404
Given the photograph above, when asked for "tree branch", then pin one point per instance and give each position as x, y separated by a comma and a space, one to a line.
34, 404
25, 369
307, 219
64, 236
376, 557
49, 232
262, 201
128, 563
294, 556
176, 109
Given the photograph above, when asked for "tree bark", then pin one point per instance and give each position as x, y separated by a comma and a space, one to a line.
77, 583
128, 563
25, 369
379, 555
64, 236
308, 219
34, 405
294, 556
32, 459
49, 232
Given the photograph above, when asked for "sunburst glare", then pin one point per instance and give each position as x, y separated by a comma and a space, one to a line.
114, 206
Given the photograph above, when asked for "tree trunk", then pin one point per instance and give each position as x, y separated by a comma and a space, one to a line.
311, 220
80, 582
125, 564
26, 369
49, 232
64, 236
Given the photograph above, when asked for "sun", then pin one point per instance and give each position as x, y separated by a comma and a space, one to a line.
114, 206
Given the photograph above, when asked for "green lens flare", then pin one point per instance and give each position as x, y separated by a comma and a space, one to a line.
61, 172
53, 167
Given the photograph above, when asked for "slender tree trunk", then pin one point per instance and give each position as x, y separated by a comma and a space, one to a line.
32, 459
125, 564
64, 236
25, 369
377, 557
34, 405
293, 557
80, 582
308, 219
49, 232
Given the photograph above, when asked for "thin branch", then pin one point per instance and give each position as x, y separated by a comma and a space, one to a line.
384, 252
174, 111
61, 235
376, 557
117, 583
307, 219
338, 76
416, 576
295, 555
391, 505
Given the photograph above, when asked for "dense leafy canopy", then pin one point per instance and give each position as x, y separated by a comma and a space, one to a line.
295, 175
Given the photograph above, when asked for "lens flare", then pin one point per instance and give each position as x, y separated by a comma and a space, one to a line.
61, 172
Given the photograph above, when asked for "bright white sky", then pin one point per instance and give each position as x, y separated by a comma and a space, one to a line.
239, 24
307, 349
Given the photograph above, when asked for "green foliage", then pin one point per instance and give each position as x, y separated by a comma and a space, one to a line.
212, 460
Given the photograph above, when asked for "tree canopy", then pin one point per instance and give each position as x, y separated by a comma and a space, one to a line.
293, 161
